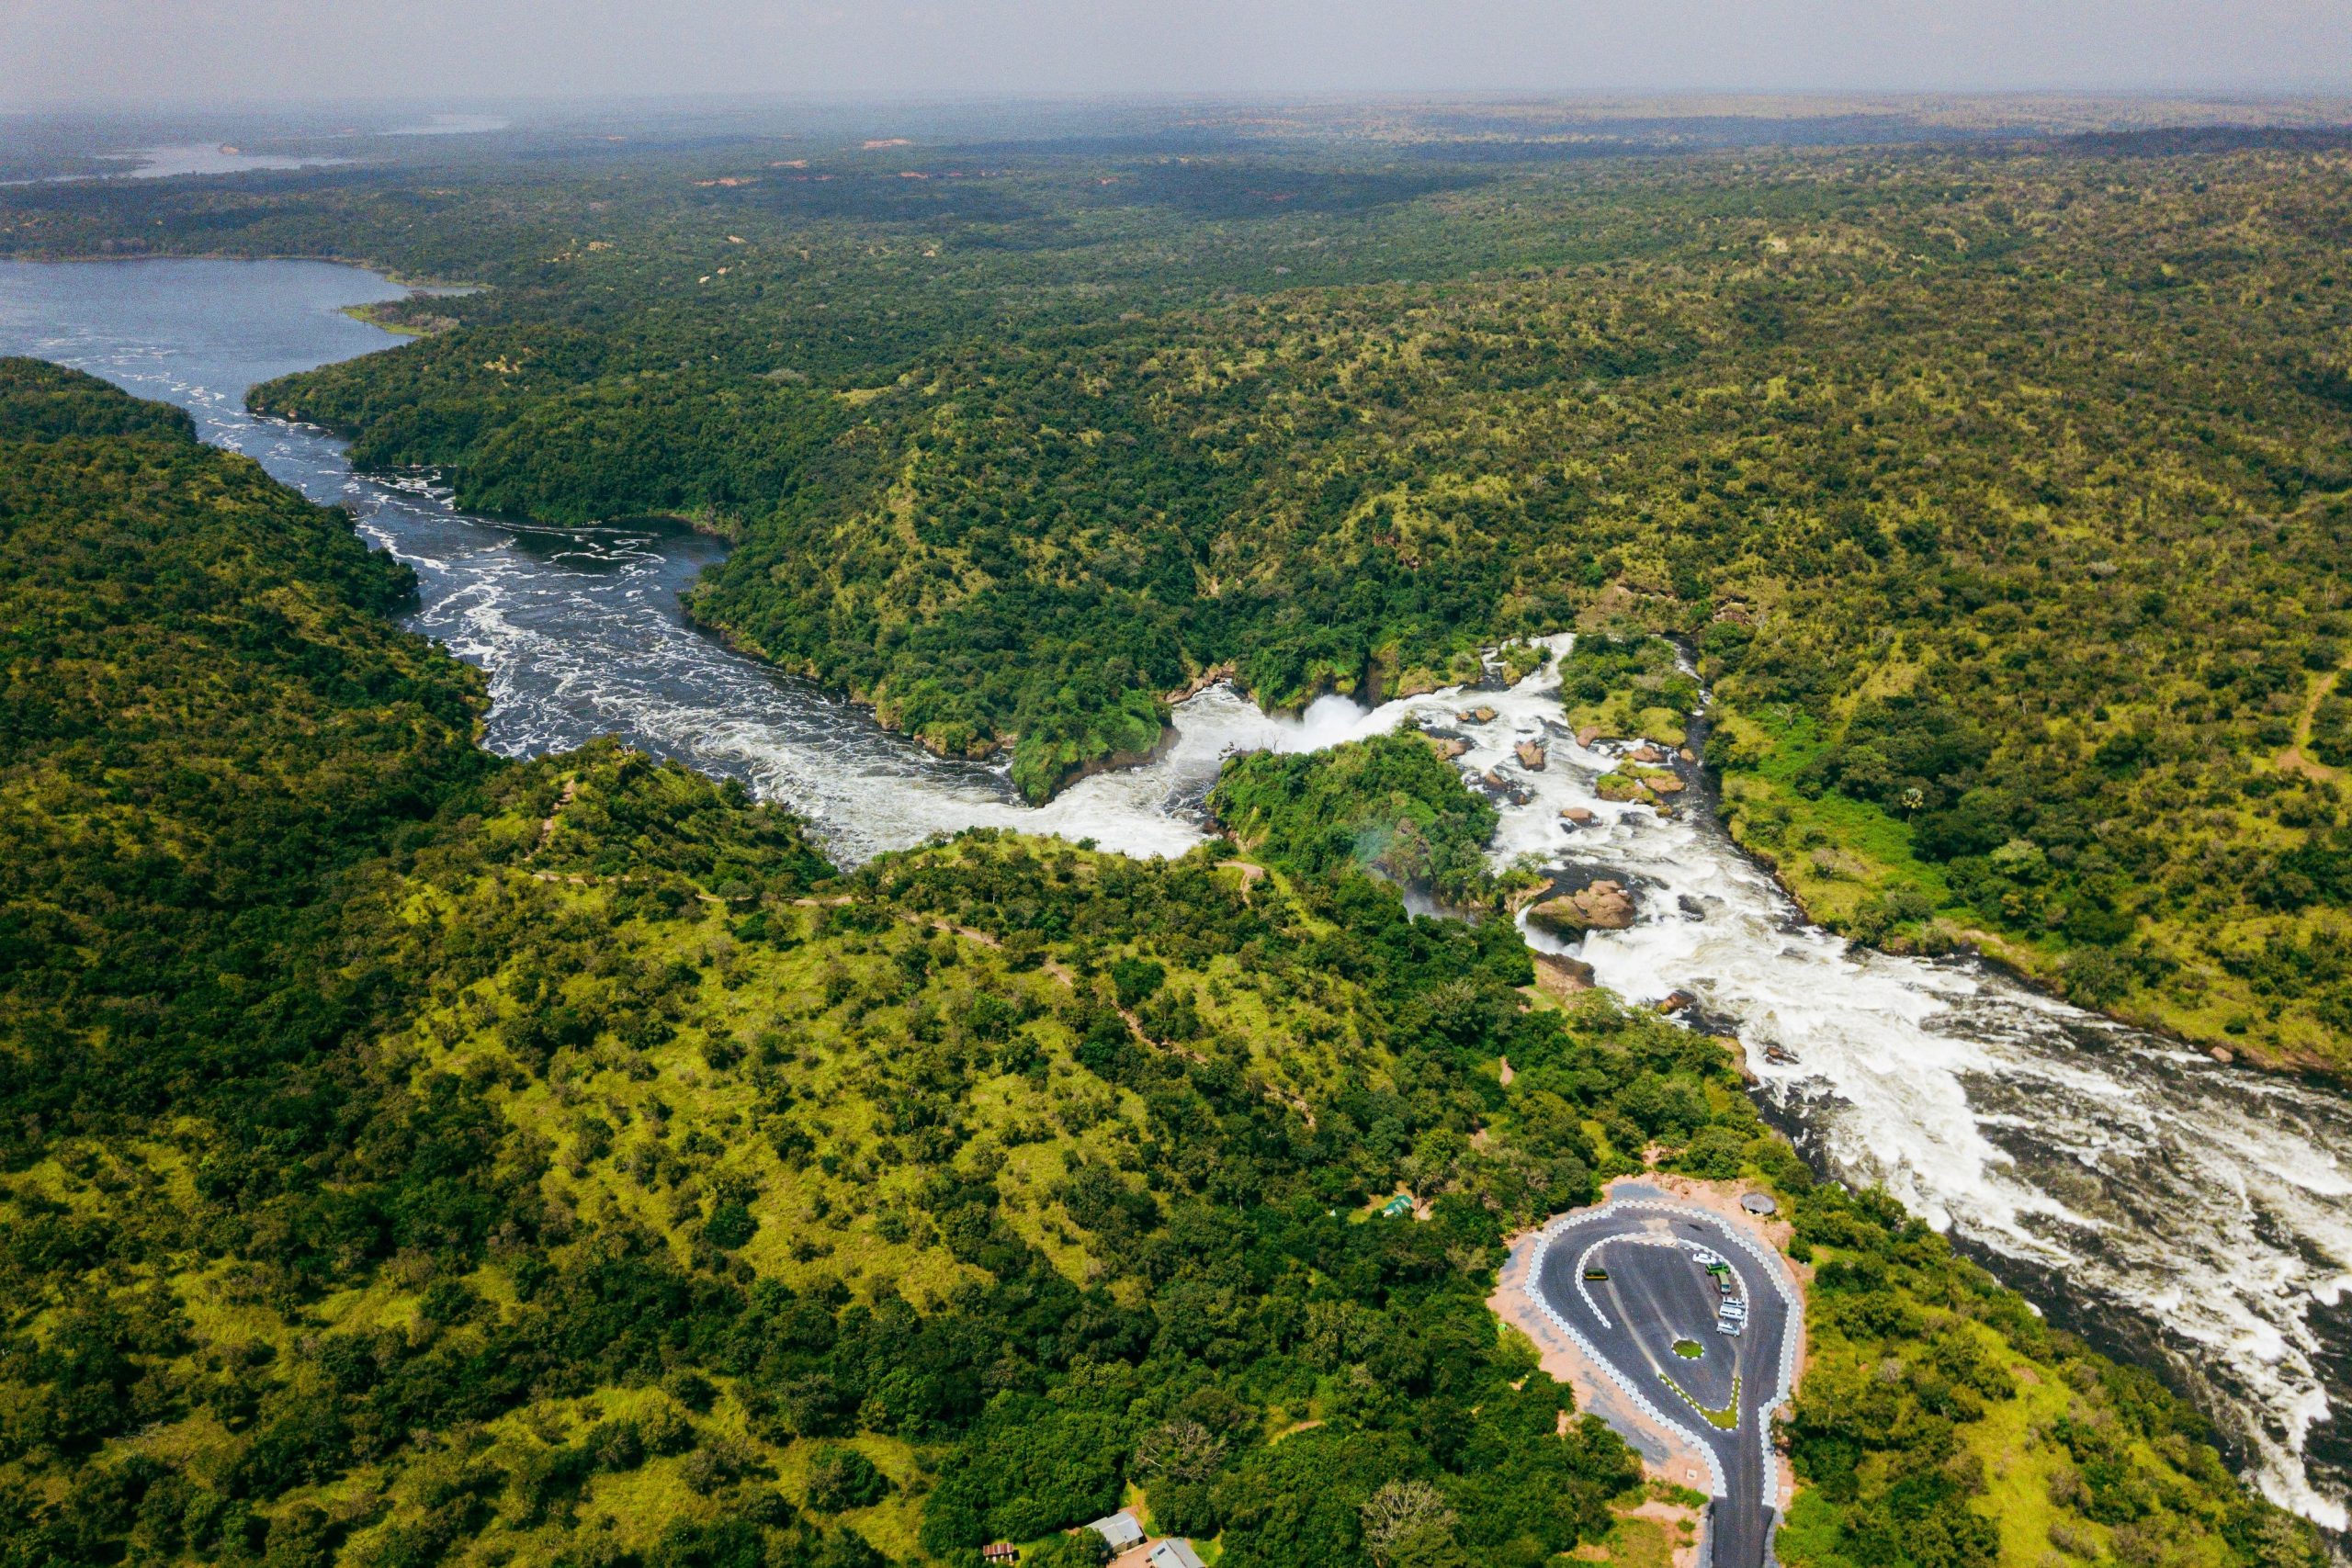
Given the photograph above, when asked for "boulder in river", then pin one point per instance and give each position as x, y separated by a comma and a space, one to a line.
1603, 905
1476, 716
1646, 754
1454, 746
1664, 785
1588, 734
1531, 755
1578, 815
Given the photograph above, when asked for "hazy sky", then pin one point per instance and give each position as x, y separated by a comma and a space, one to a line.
117, 51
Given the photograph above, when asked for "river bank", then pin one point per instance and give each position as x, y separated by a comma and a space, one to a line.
1850, 867
2122, 1179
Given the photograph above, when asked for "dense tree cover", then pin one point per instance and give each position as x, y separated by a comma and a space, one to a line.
1627, 685
207, 725
2000, 491
1941, 1424
580, 1175
1393, 804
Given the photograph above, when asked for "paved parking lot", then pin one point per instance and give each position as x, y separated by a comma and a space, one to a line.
1658, 1293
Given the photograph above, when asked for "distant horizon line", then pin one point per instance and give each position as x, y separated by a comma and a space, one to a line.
2214, 93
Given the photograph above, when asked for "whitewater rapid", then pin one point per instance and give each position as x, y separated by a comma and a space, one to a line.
2179, 1208
2183, 1210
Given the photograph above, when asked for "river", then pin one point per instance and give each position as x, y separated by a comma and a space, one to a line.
2181, 1210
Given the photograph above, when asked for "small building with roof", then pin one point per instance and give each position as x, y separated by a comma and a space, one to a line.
1121, 1530
1174, 1553
1759, 1203
1000, 1552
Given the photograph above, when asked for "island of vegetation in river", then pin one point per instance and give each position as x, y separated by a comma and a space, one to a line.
413, 1157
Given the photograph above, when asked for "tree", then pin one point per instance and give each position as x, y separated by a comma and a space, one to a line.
1407, 1523
1179, 1450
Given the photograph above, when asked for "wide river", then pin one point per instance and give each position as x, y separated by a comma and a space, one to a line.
2189, 1213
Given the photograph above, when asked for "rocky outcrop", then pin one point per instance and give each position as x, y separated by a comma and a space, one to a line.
1476, 716
1531, 755
1560, 975
1201, 682
1604, 906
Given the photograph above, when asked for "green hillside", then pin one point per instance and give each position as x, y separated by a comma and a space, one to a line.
467, 1162
2001, 490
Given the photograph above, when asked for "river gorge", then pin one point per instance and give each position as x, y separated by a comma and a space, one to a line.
2184, 1212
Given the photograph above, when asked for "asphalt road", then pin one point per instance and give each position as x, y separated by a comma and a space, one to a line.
1658, 1293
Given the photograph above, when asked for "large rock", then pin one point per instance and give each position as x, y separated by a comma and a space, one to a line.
1531, 755
1603, 907
1560, 975
1578, 815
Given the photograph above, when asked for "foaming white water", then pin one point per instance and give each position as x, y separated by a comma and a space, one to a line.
2206, 1204
2205, 1213
2212, 1206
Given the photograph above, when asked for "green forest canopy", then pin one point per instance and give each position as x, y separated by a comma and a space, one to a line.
2001, 489
555, 1163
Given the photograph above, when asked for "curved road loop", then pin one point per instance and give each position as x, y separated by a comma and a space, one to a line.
1657, 1293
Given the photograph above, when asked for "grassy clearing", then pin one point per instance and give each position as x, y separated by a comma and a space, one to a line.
1633, 1541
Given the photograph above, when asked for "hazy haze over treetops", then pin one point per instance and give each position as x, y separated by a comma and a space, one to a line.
116, 51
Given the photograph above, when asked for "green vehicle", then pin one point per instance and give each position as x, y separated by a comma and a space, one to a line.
1597, 1275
